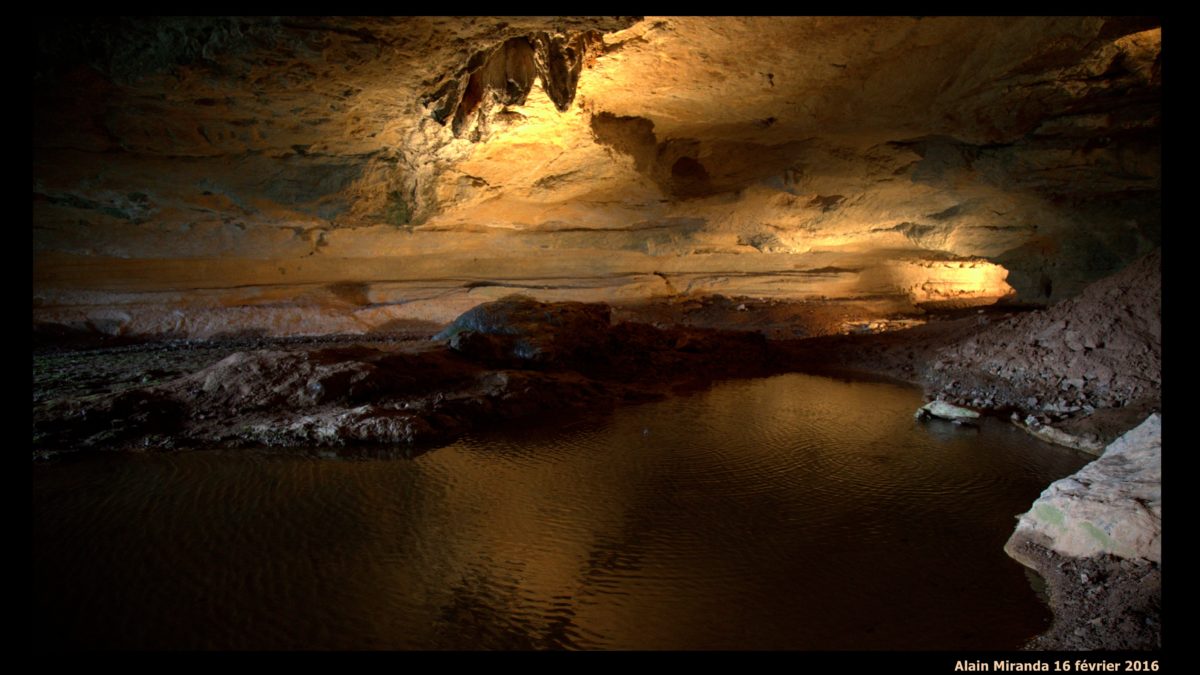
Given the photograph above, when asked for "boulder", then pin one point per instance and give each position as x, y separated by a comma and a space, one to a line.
1111, 506
945, 411
517, 330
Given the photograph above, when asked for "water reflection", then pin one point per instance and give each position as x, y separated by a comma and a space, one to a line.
793, 512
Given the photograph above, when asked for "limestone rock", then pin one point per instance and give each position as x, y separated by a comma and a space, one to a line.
1111, 506
200, 175
1085, 443
946, 411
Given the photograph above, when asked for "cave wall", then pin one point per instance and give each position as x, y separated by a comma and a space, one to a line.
196, 176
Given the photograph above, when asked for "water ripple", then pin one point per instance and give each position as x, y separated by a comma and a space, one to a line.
790, 512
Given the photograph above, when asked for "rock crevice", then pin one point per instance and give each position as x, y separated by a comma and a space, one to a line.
505, 75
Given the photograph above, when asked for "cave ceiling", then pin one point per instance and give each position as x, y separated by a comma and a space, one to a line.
431, 163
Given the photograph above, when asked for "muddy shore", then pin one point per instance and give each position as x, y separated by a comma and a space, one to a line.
1099, 602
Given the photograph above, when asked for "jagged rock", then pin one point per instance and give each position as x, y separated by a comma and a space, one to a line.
367, 424
1111, 506
501, 361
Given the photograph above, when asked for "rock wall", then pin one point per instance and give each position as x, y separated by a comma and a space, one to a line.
205, 175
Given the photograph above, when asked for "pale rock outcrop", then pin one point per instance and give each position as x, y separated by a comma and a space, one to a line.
1085, 443
1111, 506
946, 411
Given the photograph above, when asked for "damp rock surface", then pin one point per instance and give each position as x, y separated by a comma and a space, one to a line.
945, 411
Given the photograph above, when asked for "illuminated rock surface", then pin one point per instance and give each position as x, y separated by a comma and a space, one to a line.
285, 176
945, 411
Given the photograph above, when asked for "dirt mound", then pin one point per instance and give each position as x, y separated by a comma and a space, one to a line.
1102, 349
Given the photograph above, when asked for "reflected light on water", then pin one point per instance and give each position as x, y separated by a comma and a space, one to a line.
793, 512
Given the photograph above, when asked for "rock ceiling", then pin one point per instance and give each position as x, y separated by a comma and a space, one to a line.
196, 176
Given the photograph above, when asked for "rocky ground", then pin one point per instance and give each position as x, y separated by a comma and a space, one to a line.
1090, 366
499, 362
1101, 350
1100, 602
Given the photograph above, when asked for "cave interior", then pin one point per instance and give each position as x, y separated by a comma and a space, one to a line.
387, 221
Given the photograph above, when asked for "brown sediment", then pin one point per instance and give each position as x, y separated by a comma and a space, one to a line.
1100, 602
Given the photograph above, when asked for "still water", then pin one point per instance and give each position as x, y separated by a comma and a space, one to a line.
794, 512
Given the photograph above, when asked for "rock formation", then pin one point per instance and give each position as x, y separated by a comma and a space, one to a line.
200, 176
500, 362
1078, 373
1102, 349
1103, 526
1111, 506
